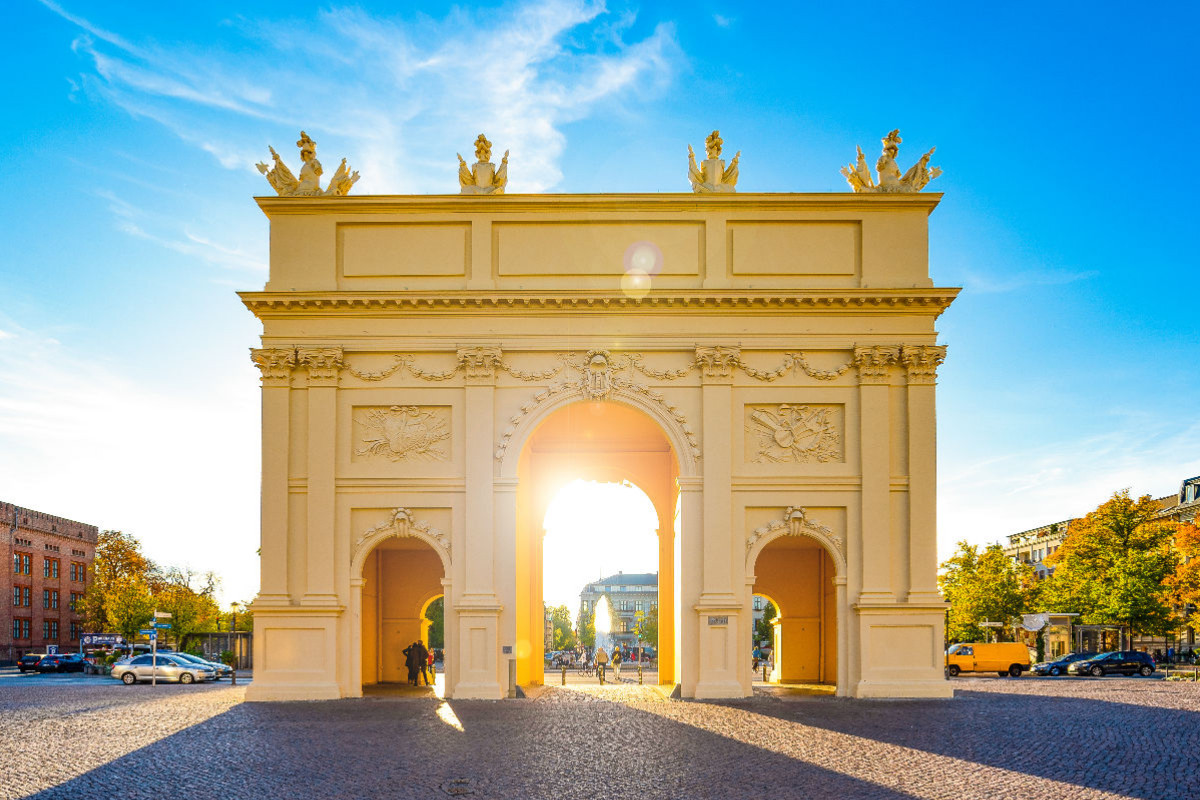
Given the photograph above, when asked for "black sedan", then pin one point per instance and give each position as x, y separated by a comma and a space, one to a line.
1059, 666
61, 663
1122, 662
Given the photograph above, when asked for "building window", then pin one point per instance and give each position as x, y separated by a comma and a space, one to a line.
50, 568
639, 605
22, 563
50, 630
16, 595
21, 628
28, 594
76, 601
74, 631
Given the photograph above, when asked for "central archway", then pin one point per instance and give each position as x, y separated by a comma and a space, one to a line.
607, 442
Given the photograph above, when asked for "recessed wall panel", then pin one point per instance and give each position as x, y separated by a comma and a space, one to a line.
404, 249
795, 248
592, 248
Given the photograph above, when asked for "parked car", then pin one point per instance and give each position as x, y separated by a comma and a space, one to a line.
168, 668
29, 662
1003, 658
66, 662
1124, 662
221, 669
1059, 665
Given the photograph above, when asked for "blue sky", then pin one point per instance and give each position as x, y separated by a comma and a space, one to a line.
1064, 131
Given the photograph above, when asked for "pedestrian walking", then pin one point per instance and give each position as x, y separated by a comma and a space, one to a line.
616, 663
601, 660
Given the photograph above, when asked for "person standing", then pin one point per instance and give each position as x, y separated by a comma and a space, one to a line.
616, 663
601, 661
413, 660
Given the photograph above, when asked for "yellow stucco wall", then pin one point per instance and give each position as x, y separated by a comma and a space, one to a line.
412, 346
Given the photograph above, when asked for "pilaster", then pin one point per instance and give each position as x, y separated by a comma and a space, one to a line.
276, 365
921, 363
323, 365
874, 377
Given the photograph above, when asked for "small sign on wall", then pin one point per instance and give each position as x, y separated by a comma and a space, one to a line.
718, 620
506, 649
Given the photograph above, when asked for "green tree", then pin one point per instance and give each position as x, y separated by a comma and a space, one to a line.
646, 626
564, 632
764, 631
1117, 565
436, 614
984, 586
192, 610
118, 597
586, 627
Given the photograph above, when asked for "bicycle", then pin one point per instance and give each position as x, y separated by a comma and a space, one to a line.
586, 668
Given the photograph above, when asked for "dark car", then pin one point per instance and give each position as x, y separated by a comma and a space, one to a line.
1122, 662
1059, 666
29, 662
61, 663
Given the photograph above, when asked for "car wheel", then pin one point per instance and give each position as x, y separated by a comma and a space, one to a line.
129, 679
1097, 672
953, 670
1146, 670
1014, 671
1055, 671
1003, 673
186, 677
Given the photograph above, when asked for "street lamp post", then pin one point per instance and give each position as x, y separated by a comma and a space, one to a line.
233, 641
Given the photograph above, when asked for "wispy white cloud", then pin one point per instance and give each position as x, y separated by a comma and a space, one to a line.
723, 21
129, 454
986, 499
992, 283
414, 91
132, 220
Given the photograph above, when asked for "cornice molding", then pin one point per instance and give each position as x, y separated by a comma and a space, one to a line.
889, 301
663, 201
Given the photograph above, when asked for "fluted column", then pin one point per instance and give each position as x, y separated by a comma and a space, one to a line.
874, 377
921, 363
323, 365
276, 365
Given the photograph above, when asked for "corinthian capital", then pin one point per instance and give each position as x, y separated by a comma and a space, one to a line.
479, 362
717, 362
875, 362
276, 364
922, 361
323, 363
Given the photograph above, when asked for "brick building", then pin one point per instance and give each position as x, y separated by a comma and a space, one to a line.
41, 594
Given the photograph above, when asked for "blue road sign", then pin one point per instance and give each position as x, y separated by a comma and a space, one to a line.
147, 632
162, 625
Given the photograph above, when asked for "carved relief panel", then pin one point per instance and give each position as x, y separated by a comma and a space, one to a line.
401, 433
794, 433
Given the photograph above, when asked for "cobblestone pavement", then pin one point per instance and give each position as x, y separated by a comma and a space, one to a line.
999, 738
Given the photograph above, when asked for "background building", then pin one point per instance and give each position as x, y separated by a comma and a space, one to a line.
1032, 546
627, 595
42, 593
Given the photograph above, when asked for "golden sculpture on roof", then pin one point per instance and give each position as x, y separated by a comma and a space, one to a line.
711, 175
890, 179
309, 184
483, 177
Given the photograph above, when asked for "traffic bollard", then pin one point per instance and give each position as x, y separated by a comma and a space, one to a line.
764, 673
639, 674
564, 669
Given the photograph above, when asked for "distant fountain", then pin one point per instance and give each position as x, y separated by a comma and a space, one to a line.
603, 623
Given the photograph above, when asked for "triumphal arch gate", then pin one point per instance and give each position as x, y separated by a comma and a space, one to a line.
434, 368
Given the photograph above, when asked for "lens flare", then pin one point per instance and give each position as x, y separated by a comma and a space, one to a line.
644, 256
635, 283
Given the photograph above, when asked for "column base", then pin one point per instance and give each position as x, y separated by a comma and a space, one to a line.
264, 692
937, 689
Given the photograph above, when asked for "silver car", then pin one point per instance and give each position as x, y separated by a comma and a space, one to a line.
168, 668
221, 669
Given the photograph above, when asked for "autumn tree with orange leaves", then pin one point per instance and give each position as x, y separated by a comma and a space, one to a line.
1117, 565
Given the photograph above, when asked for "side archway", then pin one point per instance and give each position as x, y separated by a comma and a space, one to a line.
801, 565
396, 569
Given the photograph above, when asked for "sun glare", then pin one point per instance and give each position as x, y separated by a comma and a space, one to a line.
594, 530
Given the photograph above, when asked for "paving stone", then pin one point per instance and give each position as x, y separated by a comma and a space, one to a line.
999, 738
